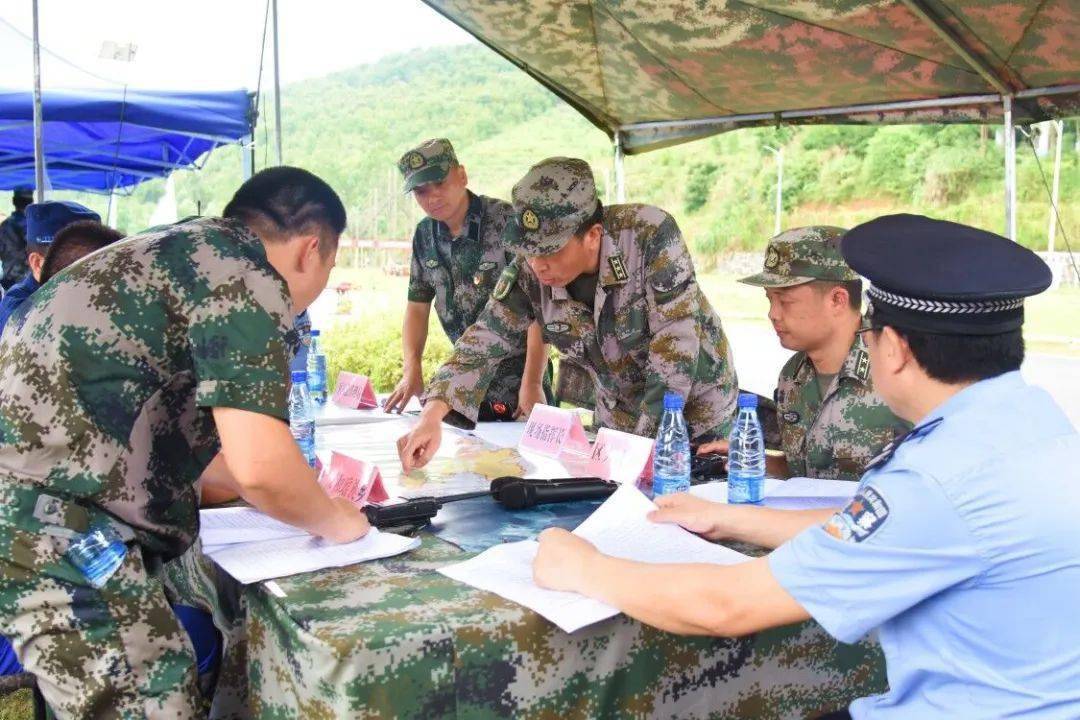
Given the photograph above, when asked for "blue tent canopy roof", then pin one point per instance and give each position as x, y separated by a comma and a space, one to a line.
100, 140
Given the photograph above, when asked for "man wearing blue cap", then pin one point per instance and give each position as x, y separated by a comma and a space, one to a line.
961, 546
43, 221
13, 239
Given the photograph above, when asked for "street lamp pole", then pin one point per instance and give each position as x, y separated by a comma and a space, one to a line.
779, 154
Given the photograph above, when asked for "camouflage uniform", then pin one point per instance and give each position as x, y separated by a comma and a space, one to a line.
459, 273
105, 417
13, 249
651, 328
825, 432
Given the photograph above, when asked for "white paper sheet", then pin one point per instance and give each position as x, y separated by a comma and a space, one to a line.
620, 528
794, 494
331, 414
254, 562
226, 526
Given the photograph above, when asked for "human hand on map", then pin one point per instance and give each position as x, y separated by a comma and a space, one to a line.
420, 445
562, 560
410, 385
530, 394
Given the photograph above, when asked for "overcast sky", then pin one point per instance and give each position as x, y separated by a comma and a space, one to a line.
204, 44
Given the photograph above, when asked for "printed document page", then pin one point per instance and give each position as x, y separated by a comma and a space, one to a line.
620, 528
253, 562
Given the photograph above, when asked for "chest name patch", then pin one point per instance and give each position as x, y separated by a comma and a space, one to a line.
862, 517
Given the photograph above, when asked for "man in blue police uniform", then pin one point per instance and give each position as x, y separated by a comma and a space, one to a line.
43, 221
13, 239
962, 544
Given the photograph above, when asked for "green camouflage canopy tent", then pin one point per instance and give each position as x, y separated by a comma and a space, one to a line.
654, 73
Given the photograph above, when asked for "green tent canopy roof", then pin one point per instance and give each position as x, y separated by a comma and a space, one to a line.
658, 73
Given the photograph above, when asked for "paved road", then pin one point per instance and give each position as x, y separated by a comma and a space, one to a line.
759, 357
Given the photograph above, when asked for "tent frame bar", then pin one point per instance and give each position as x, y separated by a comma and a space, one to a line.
39, 139
990, 99
937, 24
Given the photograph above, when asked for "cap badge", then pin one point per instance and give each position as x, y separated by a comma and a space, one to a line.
415, 160
529, 220
772, 259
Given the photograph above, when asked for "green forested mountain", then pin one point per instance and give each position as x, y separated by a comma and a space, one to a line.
350, 127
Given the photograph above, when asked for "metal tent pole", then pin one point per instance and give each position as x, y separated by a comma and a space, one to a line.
1010, 169
39, 143
1059, 126
277, 88
620, 174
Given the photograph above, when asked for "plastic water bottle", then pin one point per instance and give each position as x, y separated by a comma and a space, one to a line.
97, 554
316, 370
301, 422
671, 459
746, 455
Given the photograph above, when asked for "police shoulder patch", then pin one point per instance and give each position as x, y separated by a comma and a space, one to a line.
506, 281
862, 517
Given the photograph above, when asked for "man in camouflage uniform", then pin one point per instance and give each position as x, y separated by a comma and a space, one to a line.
614, 289
13, 239
457, 255
832, 423
153, 366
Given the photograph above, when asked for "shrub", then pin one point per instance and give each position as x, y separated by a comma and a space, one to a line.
373, 348
699, 184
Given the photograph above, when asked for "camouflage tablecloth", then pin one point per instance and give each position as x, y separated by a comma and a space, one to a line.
396, 639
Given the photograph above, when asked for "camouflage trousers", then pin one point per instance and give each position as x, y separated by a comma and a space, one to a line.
195, 580
114, 652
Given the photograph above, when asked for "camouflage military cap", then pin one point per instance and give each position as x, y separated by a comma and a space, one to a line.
802, 255
428, 162
553, 199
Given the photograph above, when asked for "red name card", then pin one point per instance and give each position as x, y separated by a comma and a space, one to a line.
354, 391
622, 457
353, 479
551, 431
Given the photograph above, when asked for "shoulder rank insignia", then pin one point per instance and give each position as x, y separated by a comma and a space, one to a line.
618, 269
862, 365
506, 281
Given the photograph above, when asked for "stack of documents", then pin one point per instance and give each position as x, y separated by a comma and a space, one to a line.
619, 528
798, 493
253, 547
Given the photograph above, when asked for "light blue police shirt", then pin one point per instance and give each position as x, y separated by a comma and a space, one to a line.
963, 549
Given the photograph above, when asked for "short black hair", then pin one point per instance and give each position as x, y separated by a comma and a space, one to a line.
597, 218
75, 242
965, 358
21, 201
287, 201
853, 287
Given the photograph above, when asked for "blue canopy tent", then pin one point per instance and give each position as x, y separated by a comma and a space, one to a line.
113, 139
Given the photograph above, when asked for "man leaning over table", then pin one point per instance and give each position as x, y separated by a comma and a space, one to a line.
156, 365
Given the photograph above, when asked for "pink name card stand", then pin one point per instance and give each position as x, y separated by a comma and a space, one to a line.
353, 479
553, 431
622, 457
354, 391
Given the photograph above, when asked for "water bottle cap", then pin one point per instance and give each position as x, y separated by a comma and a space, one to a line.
314, 332
747, 400
673, 401
299, 376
